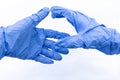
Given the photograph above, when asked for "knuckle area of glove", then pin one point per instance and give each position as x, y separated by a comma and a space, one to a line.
35, 18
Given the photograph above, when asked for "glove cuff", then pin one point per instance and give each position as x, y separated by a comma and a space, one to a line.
2, 43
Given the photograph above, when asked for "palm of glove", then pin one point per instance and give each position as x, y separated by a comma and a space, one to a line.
23, 40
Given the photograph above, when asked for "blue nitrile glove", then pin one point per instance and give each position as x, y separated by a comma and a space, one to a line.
90, 33
24, 41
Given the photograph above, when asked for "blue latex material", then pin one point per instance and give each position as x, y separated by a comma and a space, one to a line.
24, 41
90, 33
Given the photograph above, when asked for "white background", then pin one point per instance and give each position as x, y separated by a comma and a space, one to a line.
79, 64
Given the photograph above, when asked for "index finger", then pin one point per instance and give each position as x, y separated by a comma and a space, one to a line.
55, 34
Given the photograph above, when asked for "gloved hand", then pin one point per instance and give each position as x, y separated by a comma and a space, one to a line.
90, 33
24, 41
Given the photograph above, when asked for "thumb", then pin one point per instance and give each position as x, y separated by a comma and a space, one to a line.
70, 15
79, 21
40, 15
60, 12
32, 20
29, 22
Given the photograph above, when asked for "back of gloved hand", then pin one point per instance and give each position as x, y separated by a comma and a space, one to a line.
90, 33
24, 41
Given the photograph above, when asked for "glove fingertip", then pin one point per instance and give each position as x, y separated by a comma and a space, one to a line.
66, 51
59, 58
56, 56
43, 60
56, 12
47, 62
50, 62
42, 13
45, 9
56, 8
